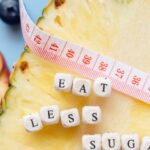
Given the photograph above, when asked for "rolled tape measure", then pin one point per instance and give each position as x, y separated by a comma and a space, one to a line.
90, 64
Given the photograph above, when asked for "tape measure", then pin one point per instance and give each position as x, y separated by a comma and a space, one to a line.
90, 64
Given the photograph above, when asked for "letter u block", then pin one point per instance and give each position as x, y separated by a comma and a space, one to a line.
111, 141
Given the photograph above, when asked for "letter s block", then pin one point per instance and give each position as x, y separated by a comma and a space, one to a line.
91, 142
70, 118
91, 114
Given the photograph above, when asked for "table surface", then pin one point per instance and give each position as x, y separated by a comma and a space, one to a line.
11, 40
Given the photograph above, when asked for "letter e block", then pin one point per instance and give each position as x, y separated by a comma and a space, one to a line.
63, 82
50, 114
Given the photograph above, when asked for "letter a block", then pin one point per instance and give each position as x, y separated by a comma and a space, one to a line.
91, 114
81, 87
145, 143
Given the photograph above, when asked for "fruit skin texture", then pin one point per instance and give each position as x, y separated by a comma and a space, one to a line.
4, 81
9, 11
114, 29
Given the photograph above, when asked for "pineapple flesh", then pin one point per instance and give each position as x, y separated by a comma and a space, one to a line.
117, 28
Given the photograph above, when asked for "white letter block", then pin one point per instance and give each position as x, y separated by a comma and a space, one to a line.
32, 122
70, 118
63, 82
50, 115
91, 142
81, 87
91, 114
145, 143
102, 87
111, 141
130, 142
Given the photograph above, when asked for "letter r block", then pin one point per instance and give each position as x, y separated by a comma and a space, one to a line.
63, 82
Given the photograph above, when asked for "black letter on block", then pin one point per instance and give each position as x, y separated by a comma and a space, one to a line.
70, 116
104, 86
131, 144
83, 89
61, 83
111, 143
50, 114
92, 145
94, 115
34, 125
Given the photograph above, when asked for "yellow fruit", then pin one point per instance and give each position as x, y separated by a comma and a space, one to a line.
117, 28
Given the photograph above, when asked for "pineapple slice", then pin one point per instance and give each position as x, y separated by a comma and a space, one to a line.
118, 28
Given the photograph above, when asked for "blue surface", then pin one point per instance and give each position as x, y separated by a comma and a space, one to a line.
11, 40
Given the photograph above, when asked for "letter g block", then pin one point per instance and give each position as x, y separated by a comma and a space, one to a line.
130, 142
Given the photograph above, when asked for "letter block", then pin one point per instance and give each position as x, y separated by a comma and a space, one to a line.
63, 82
70, 118
91, 114
81, 87
91, 142
102, 87
111, 141
145, 143
32, 123
130, 142
50, 114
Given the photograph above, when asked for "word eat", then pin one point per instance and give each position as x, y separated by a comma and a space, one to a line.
82, 87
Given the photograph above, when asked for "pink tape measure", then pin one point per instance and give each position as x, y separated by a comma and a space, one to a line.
90, 64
